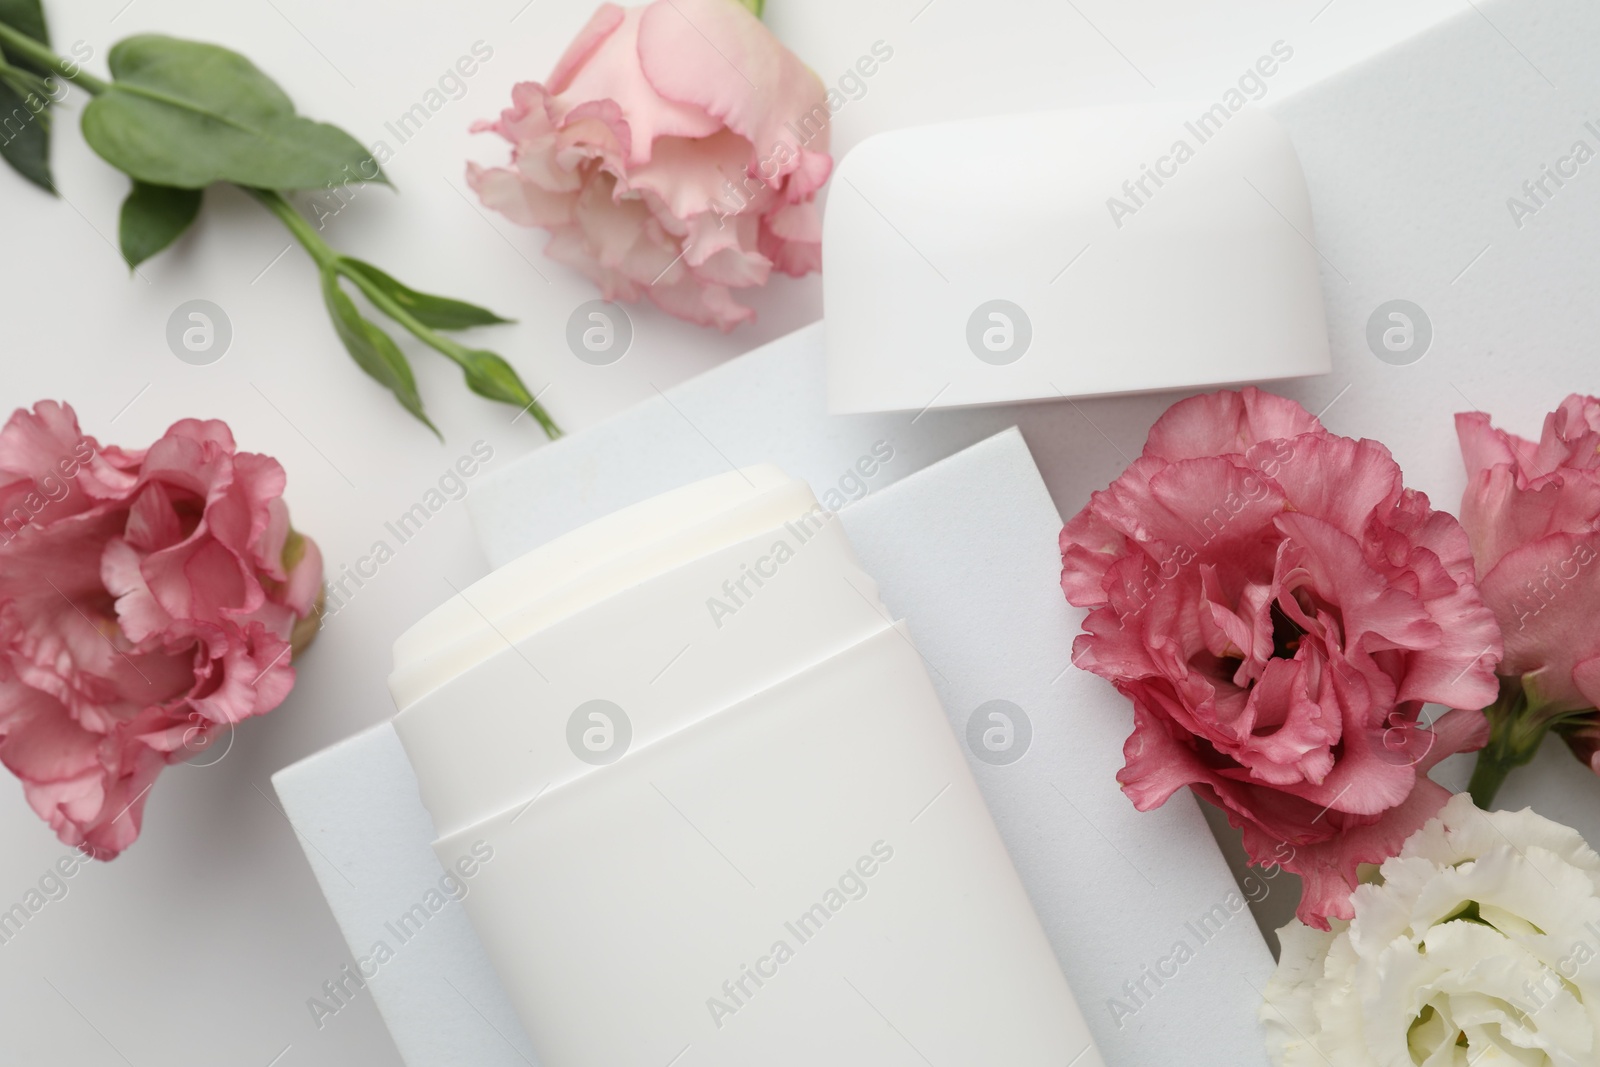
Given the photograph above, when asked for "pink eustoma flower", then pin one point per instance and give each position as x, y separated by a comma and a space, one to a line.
674, 153
1532, 513
148, 602
1278, 607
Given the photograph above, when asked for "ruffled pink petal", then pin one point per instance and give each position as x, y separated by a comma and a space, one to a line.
622, 236
40, 741
253, 676
731, 268
1157, 763
1483, 447
1340, 480
533, 132
1290, 734
1211, 504
815, 165
707, 305
212, 434
1571, 437
109, 823
571, 246
49, 470
1089, 547
794, 258
1544, 594
1329, 869
187, 463
139, 613
693, 176
1383, 614
1226, 423
615, 71
1500, 511
271, 539
253, 526
1460, 671
707, 234
34, 444
719, 58
593, 134
153, 521
795, 223
595, 33
521, 201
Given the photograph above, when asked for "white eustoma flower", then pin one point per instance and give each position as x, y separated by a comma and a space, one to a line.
1480, 947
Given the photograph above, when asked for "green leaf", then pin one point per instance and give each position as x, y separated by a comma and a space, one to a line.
27, 16
373, 350
24, 129
25, 136
153, 216
186, 114
435, 312
25, 83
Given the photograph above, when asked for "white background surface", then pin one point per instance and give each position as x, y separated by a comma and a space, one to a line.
202, 944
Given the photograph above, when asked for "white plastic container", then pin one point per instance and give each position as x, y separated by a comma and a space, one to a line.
721, 837
1070, 253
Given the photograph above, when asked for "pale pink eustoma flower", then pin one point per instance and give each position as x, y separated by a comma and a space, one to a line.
674, 153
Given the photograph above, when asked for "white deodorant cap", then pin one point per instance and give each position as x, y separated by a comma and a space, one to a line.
1075, 253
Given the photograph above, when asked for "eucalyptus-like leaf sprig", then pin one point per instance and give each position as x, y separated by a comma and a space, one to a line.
178, 116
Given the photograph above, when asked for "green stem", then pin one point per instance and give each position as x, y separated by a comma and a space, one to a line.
456, 351
1488, 775
20, 44
1519, 721
1514, 737
301, 230
326, 258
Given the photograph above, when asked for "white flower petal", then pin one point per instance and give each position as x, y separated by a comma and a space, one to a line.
1480, 945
